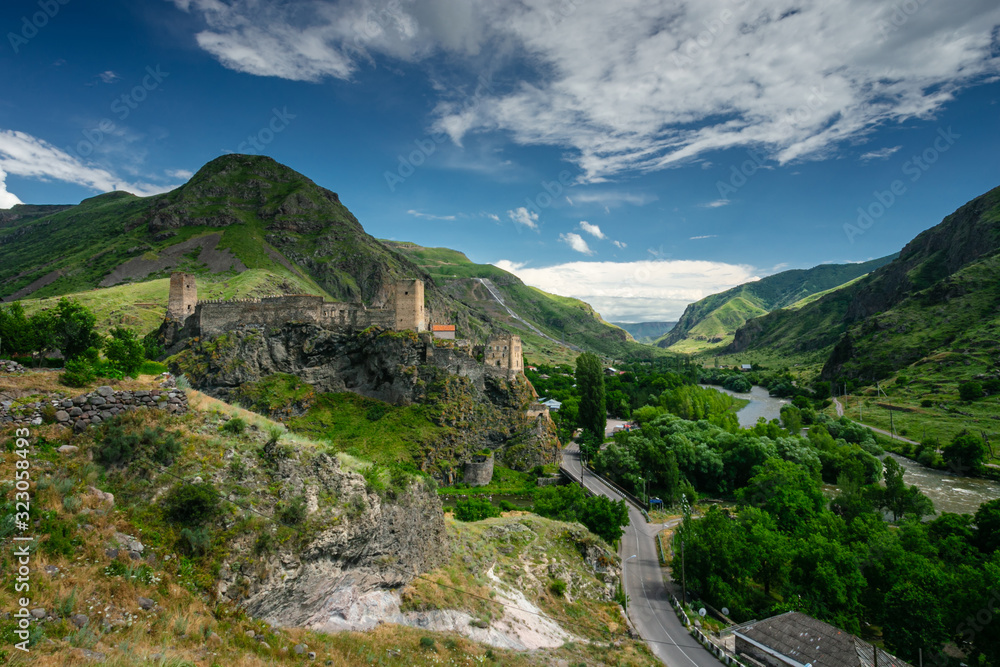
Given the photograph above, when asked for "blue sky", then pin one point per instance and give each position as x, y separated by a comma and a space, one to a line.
635, 154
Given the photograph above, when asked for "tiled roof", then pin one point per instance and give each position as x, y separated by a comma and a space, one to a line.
809, 641
442, 327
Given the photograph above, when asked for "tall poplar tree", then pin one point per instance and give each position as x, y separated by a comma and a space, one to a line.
592, 415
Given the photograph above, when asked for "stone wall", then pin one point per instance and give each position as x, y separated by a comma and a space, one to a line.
409, 306
183, 296
96, 407
479, 471
503, 353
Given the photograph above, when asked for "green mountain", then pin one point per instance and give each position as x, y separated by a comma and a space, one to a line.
712, 321
249, 214
938, 302
646, 332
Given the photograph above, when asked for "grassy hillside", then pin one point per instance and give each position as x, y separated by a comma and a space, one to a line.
243, 214
646, 332
568, 322
819, 295
711, 322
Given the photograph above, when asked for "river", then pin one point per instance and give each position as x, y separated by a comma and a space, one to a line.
950, 493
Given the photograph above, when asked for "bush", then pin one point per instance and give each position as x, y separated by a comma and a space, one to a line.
376, 412
192, 504
152, 368
926, 403
970, 391
79, 373
507, 506
558, 587
120, 446
427, 642
151, 347
294, 512
124, 350
236, 426
196, 540
475, 509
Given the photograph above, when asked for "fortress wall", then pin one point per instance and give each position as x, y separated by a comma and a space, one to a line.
479, 471
216, 317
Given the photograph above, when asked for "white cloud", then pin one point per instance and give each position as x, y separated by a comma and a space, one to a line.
31, 157
428, 216
182, 174
7, 199
576, 242
642, 291
108, 76
881, 154
522, 216
493, 216
706, 236
632, 85
610, 198
593, 230
717, 203
620, 244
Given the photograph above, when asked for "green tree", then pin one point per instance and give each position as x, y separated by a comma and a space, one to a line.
16, 334
785, 490
970, 391
966, 452
592, 415
124, 350
604, 517
988, 526
475, 509
192, 504
74, 329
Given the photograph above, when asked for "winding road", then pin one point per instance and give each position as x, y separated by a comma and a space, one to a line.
649, 608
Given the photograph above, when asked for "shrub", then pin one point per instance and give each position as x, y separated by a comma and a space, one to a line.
376, 412
152, 368
475, 509
60, 541
558, 587
970, 391
151, 347
926, 403
507, 506
120, 446
294, 512
192, 504
79, 373
124, 350
236, 426
427, 642
196, 540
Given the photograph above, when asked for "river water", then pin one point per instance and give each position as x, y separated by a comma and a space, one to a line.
950, 493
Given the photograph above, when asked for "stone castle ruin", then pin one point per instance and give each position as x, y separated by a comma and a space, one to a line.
501, 354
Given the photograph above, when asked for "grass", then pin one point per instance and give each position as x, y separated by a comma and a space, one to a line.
398, 435
506, 482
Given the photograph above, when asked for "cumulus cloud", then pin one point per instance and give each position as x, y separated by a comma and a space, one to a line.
793, 80
881, 154
25, 155
593, 230
619, 244
183, 174
522, 216
641, 291
576, 242
7, 199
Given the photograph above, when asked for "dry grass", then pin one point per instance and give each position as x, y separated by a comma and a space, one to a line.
46, 381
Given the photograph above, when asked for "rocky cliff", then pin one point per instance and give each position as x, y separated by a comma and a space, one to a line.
476, 408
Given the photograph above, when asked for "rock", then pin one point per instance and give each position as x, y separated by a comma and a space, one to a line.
312, 655
300, 649
95, 420
146, 603
128, 542
102, 496
96, 400
66, 404
37, 421
68, 449
111, 553
105, 391
87, 654
79, 400
75, 412
51, 570
214, 640
251, 634
79, 620
62, 416
265, 646
38, 613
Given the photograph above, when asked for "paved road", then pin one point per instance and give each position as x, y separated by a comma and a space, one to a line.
840, 413
650, 608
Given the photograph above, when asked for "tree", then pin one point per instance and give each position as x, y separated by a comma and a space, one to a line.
970, 391
592, 415
988, 526
74, 329
475, 509
124, 350
16, 335
605, 518
966, 452
785, 490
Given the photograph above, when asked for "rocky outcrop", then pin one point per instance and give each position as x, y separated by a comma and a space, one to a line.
355, 546
480, 408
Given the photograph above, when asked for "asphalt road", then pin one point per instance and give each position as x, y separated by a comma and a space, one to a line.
649, 607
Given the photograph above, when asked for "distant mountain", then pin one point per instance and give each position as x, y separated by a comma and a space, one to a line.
243, 213
939, 296
713, 321
646, 332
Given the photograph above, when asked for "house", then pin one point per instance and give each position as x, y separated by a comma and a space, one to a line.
532, 368
552, 404
794, 639
443, 331
746, 367
610, 371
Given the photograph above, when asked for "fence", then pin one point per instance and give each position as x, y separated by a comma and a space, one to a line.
724, 656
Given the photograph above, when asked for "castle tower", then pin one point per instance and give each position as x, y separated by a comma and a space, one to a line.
410, 305
183, 296
504, 353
